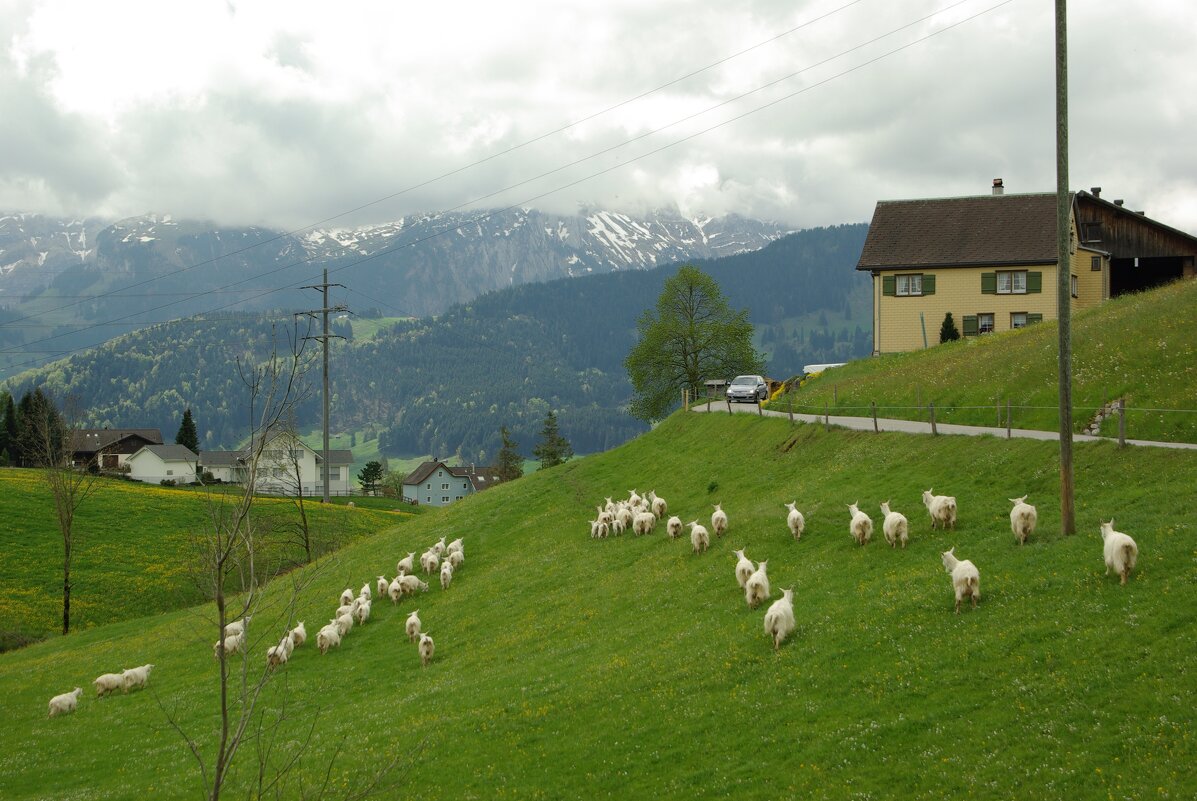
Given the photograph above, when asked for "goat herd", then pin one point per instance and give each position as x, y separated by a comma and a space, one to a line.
441, 558
640, 513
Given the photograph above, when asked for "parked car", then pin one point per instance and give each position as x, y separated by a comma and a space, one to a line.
747, 388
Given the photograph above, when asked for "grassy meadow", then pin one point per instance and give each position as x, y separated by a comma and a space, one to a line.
568, 667
1141, 347
133, 549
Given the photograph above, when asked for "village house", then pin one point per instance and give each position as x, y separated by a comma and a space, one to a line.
110, 448
991, 261
158, 463
276, 468
437, 484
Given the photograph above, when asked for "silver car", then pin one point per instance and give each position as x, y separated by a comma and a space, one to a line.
747, 389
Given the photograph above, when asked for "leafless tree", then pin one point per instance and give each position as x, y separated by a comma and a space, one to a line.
52, 439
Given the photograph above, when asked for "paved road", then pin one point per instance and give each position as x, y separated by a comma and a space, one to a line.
919, 427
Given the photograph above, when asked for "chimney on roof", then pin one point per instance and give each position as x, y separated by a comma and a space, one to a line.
998, 187
1119, 202
1095, 191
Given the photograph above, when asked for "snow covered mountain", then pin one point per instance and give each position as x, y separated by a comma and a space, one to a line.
60, 272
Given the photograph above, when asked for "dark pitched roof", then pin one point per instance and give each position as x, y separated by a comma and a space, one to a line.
335, 456
171, 452
92, 440
961, 231
422, 472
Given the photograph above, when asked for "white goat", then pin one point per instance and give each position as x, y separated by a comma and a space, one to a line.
861, 527
1120, 551
457, 546
439, 547
410, 584
107, 682
659, 507
644, 523
135, 678
966, 581
382, 585
756, 589
413, 626
719, 521
404, 565
279, 654
942, 509
347, 596
446, 574
65, 704
700, 539
674, 527
455, 558
795, 520
364, 592
430, 562
895, 526
1023, 518
344, 624
237, 626
744, 568
328, 637
299, 634
362, 613
230, 645
427, 649
626, 516
779, 620
395, 589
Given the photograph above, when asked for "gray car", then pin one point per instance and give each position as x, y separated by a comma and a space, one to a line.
747, 389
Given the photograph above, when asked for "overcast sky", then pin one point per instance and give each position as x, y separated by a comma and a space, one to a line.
287, 113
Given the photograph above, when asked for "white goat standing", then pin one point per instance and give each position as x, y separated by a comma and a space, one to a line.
795, 520
861, 527
1023, 518
895, 526
779, 620
1120, 551
966, 580
942, 509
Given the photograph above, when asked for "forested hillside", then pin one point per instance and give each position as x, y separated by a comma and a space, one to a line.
445, 385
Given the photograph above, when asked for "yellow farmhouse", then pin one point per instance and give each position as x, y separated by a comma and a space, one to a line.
990, 261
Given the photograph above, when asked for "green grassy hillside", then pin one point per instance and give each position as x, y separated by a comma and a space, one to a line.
568, 667
1140, 347
132, 550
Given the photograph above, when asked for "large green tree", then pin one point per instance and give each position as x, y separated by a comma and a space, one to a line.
187, 435
370, 476
508, 464
690, 336
553, 448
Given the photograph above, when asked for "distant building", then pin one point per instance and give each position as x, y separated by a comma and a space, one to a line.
991, 261
277, 466
437, 484
110, 448
158, 463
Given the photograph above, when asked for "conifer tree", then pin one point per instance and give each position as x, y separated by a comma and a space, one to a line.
508, 464
948, 331
553, 449
187, 435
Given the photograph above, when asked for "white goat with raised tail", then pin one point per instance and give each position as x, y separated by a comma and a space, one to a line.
966, 580
942, 509
779, 620
894, 526
861, 527
1121, 552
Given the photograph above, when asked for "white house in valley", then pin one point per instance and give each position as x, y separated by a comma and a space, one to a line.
158, 463
281, 458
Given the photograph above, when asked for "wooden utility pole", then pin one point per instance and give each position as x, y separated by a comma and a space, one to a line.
324, 337
1064, 272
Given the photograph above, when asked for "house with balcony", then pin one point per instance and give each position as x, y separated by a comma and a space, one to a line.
991, 261
435, 483
285, 466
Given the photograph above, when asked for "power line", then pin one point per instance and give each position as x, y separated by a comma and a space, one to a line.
476, 163
631, 160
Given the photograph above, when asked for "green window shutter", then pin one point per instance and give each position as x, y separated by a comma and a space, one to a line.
1034, 282
928, 284
889, 285
970, 325
988, 284
1034, 318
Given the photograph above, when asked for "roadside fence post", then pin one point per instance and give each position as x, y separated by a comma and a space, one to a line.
1007, 418
1122, 422
790, 405
826, 418
874, 405
932, 408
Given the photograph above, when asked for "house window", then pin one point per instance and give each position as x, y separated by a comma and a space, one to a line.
1012, 282
910, 285
984, 323
459, 497
444, 499
444, 486
1091, 232
464, 485
171, 473
1095, 263
427, 486
1075, 286
1018, 319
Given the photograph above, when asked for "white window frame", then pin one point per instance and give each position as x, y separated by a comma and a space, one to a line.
1014, 321
444, 486
444, 499
909, 285
1074, 284
1012, 279
981, 317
